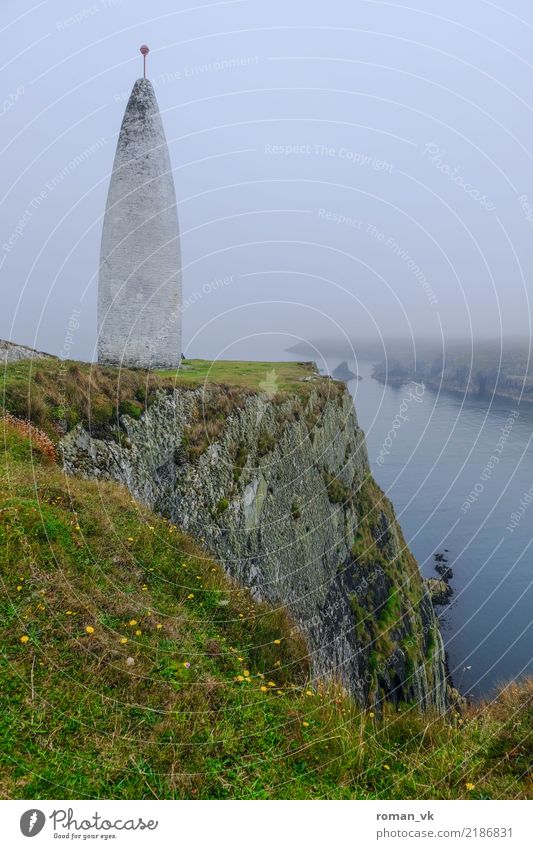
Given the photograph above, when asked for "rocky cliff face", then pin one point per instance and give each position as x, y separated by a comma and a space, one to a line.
280, 490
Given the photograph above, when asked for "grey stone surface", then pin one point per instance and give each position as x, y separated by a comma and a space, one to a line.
272, 524
139, 293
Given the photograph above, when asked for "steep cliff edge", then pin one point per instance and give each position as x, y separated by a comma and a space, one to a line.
278, 487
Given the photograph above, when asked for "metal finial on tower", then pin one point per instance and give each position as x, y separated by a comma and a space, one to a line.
145, 51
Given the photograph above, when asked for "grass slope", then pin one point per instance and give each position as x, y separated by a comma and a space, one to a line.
130, 667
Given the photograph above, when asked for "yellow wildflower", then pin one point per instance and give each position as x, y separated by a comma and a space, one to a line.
305, 724
132, 622
264, 689
271, 684
123, 641
309, 693
159, 626
138, 633
239, 678
277, 642
246, 673
90, 629
191, 595
24, 638
469, 785
386, 766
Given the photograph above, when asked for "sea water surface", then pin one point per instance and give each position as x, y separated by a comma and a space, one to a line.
434, 454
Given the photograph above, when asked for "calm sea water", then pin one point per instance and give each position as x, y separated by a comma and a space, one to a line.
438, 460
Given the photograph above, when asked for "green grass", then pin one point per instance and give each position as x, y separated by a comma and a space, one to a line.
212, 698
256, 376
381, 547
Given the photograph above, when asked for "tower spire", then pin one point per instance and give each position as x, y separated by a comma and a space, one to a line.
139, 291
145, 51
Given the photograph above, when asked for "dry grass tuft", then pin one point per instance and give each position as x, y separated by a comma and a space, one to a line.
39, 440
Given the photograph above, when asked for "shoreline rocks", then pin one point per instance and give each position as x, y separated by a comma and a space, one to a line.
440, 591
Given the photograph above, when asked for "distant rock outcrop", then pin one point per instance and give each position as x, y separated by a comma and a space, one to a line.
343, 372
10, 352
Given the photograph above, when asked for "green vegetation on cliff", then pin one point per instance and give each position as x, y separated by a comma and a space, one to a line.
131, 667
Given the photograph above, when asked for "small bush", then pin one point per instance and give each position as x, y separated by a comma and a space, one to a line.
132, 409
266, 443
338, 493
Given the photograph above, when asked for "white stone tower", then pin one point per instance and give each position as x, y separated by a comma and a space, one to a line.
139, 291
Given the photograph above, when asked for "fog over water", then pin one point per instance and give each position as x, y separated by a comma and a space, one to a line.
341, 168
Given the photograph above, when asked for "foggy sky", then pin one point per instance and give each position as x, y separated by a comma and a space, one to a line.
342, 168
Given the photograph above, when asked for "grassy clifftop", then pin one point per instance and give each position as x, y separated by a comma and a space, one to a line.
57, 394
130, 667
